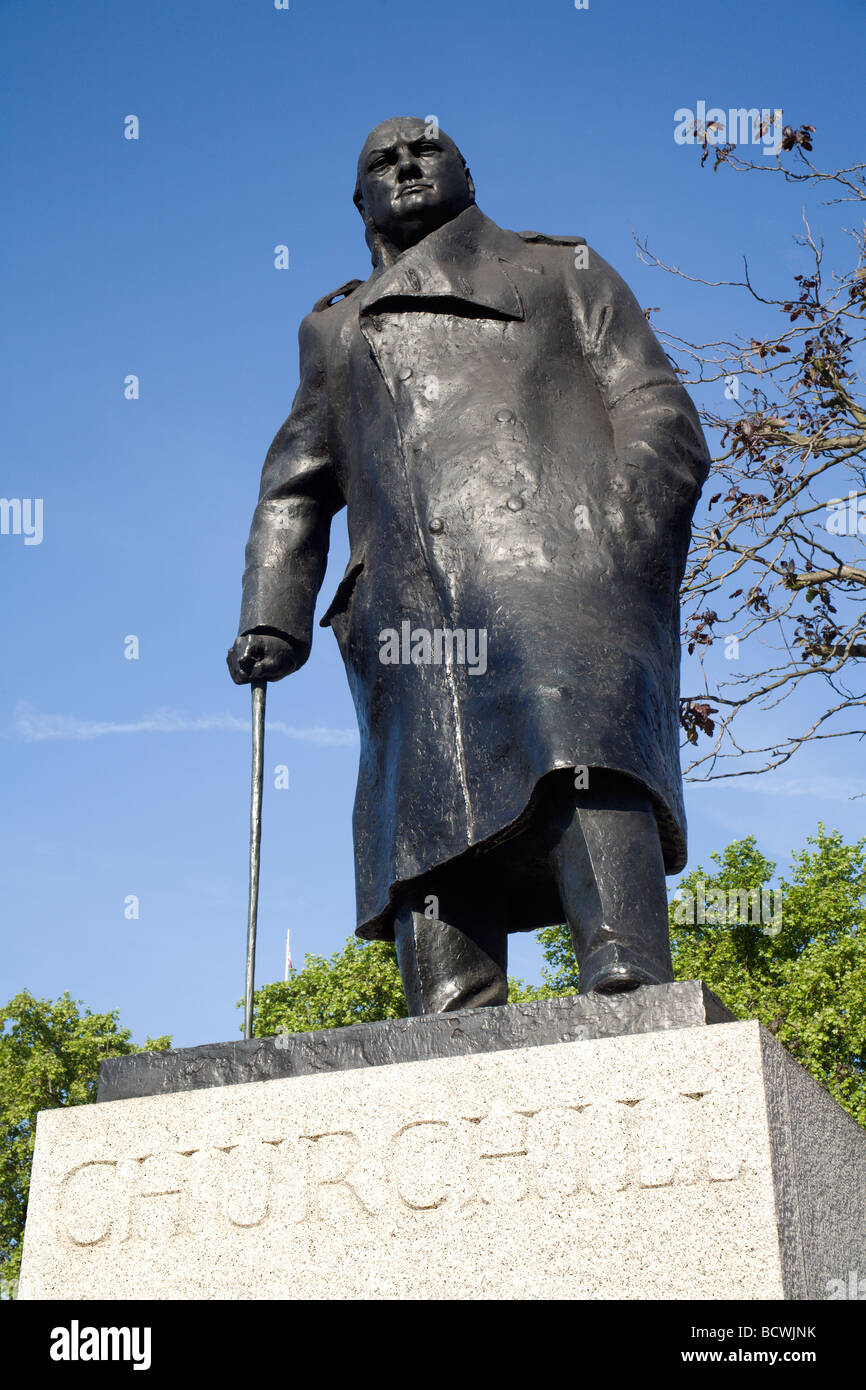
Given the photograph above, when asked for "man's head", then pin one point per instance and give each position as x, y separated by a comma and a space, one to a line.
411, 179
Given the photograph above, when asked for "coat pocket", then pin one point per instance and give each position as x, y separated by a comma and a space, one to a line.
339, 604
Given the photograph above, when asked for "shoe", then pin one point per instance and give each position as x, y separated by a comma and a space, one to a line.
618, 979
443, 969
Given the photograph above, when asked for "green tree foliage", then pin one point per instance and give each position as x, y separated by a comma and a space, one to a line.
805, 979
49, 1055
560, 974
359, 984
803, 976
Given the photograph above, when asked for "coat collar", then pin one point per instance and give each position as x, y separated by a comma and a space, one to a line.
461, 260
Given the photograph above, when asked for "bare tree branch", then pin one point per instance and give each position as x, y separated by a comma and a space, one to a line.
780, 548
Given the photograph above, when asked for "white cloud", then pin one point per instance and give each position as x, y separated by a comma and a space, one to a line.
30, 726
822, 787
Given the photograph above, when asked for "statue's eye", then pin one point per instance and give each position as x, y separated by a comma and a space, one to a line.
376, 165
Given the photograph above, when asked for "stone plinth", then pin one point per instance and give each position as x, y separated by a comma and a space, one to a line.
576, 1017
697, 1162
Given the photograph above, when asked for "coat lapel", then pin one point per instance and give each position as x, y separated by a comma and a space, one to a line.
461, 261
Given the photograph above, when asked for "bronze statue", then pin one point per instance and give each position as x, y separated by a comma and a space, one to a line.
520, 466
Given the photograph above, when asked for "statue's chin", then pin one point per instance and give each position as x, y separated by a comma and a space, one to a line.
402, 232
419, 221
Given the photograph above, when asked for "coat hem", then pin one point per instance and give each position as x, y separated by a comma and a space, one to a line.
673, 840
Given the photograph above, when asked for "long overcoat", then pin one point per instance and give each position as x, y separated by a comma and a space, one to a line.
518, 460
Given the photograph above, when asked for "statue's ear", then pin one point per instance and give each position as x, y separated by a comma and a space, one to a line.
471, 182
370, 234
373, 240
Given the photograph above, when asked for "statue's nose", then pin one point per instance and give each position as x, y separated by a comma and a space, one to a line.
408, 168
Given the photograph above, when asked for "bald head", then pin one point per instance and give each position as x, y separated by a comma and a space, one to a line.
412, 179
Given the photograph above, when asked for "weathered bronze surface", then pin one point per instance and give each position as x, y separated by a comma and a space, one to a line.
575, 1018
520, 467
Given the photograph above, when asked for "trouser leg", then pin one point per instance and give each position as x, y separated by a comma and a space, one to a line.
607, 859
455, 964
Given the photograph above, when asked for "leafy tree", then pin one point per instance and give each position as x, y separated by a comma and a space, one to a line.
49, 1055
560, 974
520, 993
807, 982
802, 974
736, 957
360, 984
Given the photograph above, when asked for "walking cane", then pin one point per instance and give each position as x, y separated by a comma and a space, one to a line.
259, 689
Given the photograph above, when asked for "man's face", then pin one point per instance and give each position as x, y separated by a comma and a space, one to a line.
411, 182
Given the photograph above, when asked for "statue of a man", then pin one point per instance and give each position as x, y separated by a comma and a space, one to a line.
520, 467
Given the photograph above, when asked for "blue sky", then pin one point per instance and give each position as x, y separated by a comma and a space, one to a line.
155, 257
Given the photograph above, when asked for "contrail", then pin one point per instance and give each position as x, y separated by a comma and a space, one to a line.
30, 726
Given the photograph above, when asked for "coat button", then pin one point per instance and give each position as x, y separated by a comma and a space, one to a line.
436, 526
515, 503
505, 417
413, 278
404, 373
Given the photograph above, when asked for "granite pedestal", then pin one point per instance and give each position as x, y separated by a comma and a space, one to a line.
565, 1150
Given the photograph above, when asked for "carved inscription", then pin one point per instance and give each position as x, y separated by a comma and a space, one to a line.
429, 1168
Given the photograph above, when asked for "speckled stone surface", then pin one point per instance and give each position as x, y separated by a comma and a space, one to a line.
694, 1163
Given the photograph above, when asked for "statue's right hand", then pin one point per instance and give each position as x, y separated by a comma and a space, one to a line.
261, 656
